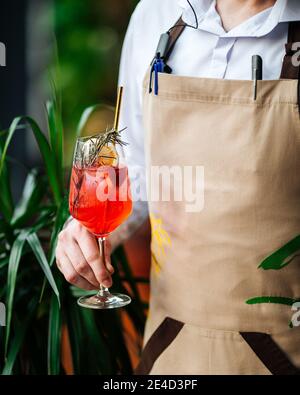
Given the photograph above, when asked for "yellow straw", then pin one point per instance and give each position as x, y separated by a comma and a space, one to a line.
118, 106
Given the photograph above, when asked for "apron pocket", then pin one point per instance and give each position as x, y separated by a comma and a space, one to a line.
161, 338
270, 354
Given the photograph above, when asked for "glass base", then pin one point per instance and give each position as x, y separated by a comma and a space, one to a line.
104, 300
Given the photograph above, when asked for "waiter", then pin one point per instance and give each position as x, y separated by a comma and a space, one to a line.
214, 308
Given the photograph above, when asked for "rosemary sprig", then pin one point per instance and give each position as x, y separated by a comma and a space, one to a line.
98, 141
78, 183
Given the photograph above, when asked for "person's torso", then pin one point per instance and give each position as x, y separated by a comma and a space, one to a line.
208, 51
230, 268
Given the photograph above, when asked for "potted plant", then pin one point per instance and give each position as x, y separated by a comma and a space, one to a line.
41, 307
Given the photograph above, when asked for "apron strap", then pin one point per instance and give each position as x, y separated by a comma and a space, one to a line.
289, 71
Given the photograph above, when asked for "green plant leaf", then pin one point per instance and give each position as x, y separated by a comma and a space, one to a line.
6, 201
16, 344
13, 266
115, 333
10, 134
55, 130
33, 192
272, 299
40, 256
279, 259
5, 259
4, 262
49, 160
100, 361
54, 337
6, 233
47, 154
61, 217
45, 218
90, 353
76, 333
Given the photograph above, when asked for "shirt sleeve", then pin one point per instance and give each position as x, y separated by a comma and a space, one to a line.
131, 119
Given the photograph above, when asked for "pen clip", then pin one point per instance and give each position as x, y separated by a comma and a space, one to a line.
156, 69
151, 75
257, 73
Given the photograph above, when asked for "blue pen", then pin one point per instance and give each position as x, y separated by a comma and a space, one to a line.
157, 64
158, 68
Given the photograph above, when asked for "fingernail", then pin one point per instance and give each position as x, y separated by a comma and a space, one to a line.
107, 282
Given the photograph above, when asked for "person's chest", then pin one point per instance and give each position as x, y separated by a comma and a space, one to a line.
208, 52
202, 54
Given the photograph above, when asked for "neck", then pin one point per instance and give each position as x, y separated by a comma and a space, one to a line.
234, 12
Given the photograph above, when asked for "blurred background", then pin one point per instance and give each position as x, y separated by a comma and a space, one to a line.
76, 42
76, 46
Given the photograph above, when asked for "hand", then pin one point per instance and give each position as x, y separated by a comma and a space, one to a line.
78, 258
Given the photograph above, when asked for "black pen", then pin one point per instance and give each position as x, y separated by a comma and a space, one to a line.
257, 72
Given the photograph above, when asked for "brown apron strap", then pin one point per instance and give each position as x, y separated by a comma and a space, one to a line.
161, 338
174, 33
289, 71
270, 353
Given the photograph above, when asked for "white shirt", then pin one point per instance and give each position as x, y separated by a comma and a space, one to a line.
208, 51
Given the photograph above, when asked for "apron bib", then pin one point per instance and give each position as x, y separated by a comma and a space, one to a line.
223, 279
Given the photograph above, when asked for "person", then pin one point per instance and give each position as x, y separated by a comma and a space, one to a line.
214, 309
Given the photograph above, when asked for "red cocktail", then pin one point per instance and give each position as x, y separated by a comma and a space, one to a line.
100, 197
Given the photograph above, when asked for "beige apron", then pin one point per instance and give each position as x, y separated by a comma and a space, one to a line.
205, 263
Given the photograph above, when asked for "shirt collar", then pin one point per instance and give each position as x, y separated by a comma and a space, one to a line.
256, 26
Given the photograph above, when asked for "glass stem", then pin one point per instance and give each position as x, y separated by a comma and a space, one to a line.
103, 290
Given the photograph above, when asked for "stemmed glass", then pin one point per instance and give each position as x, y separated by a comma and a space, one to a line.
100, 197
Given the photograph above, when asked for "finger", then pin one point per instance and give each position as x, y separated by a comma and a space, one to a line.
90, 249
70, 274
79, 263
